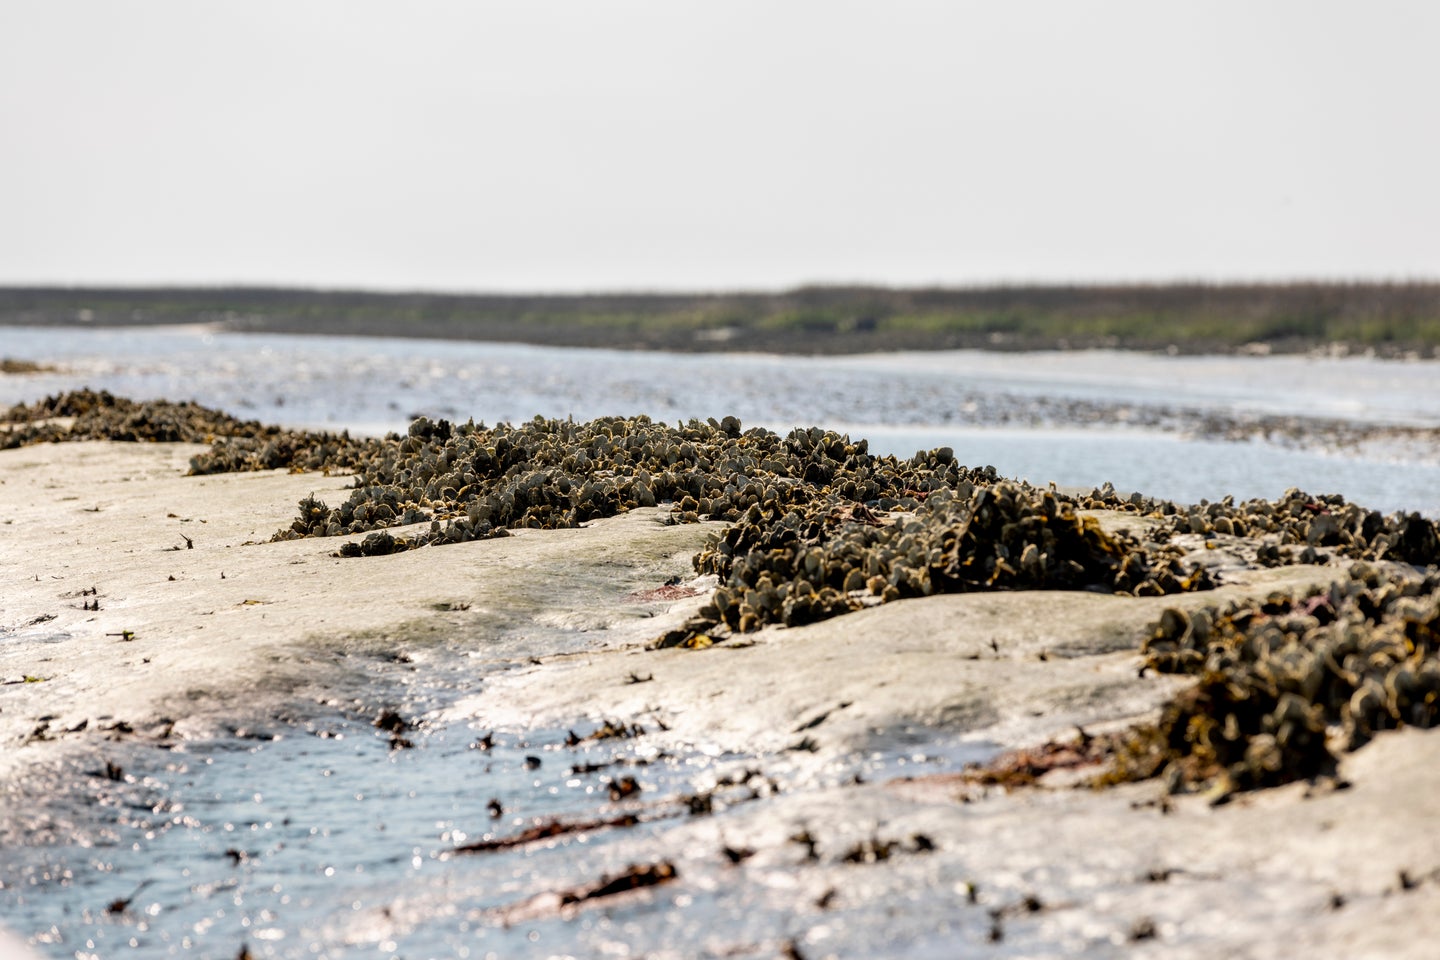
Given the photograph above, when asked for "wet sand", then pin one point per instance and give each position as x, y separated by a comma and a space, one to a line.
204, 628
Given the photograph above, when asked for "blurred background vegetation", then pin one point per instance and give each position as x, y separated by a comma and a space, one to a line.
1392, 319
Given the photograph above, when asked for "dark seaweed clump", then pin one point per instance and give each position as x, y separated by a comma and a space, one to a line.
1287, 684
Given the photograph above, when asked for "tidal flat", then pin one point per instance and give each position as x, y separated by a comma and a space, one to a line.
217, 740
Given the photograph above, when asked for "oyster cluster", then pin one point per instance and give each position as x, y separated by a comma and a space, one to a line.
237, 444
797, 565
807, 540
100, 415
1287, 683
1296, 528
470, 481
818, 526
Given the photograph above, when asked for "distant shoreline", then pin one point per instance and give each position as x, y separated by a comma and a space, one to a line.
1389, 320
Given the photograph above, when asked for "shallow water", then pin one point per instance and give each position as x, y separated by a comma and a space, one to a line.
1079, 419
1352, 388
1172, 467
327, 840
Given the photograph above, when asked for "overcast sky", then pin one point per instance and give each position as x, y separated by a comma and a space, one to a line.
670, 145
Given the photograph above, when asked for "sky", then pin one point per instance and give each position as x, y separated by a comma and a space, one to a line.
628, 145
